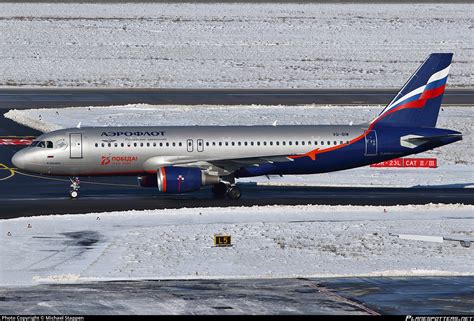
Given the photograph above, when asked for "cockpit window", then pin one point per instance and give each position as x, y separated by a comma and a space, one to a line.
42, 144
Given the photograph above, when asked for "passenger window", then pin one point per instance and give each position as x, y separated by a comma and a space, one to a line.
277, 143
335, 143
147, 144
167, 144
213, 143
315, 143
141, 144
233, 143
341, 142
296, 143
207, 143
154, 144
251, 143
329, 143
283, 143
122, 144
103, 145
49, 144
134, 144
289, 143
271, 143
161, 144
258, 143
180, 144
116, 145
239, 143
227, 143
302, 143
245, 143
220, 143
264, 143
322, 142
309, 143
109, 144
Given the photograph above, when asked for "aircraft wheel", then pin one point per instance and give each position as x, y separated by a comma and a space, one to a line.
73, 194
219, 189
234, 193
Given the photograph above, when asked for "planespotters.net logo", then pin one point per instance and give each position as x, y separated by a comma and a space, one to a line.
117, 160
439, 318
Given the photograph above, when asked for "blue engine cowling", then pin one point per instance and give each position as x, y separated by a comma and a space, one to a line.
183, 179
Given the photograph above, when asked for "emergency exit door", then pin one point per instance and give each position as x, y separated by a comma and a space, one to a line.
75, 145
190, 145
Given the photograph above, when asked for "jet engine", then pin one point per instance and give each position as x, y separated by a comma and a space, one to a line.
147, 181
171, 179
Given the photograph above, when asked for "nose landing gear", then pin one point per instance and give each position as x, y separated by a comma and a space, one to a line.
75, 186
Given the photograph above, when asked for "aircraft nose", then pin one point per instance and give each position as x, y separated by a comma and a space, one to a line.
19, 159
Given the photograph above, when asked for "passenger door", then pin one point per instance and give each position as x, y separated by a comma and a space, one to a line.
371, 143
75, 145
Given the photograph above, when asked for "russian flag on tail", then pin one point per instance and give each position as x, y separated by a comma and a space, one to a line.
417, 103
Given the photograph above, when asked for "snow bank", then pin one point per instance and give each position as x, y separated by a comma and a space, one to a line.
268, 242
230, 45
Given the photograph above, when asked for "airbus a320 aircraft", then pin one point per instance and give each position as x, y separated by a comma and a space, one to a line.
185, 158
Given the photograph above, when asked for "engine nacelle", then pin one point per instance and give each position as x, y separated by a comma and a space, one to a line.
177, 180
147, 181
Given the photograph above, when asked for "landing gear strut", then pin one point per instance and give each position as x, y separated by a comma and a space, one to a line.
219, 189
234, 193
75, 186
227, 187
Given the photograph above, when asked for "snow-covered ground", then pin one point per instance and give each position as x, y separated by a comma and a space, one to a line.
455, 161
230, 45
269, 242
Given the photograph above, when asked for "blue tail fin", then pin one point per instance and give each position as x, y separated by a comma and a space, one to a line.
417, 103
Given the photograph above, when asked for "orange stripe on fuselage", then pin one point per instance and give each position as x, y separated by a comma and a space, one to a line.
419, 103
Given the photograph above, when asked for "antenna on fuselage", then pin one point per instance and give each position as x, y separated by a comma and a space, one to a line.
275, 123
79, 125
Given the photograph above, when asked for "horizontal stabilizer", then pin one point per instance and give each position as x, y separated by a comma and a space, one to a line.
426, 139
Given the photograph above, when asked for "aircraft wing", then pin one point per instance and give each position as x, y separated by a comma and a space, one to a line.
215, 166
232, 165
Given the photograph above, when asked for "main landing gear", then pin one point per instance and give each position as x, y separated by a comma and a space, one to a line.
231, 190
75, 186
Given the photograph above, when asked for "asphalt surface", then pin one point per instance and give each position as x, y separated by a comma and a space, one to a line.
363, 296
60, 97
25, 195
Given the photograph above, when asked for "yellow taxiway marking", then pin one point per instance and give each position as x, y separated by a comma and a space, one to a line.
11, 170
